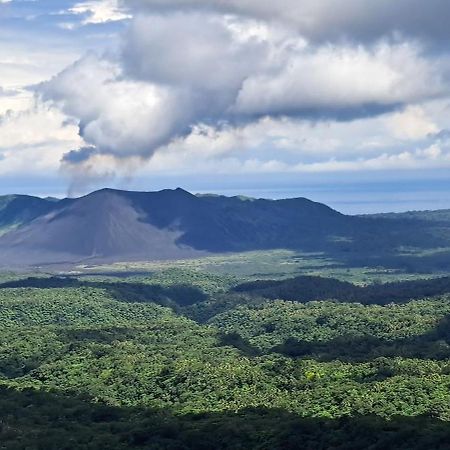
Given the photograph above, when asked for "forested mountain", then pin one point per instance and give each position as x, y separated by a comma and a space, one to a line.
442, 216
111, 225
16, 210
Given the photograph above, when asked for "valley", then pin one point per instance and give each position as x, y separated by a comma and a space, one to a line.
224, 225
188, 345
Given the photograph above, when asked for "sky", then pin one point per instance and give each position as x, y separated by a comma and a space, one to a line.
345, 102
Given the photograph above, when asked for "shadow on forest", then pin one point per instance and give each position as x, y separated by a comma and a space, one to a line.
418, 264
37, 420
432, 345
300, 289
180, 294
309, 288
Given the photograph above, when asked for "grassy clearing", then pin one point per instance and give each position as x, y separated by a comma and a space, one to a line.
274, 264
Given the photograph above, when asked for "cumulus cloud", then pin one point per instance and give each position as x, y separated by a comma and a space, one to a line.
342, 82
118, 116
179, 71
412, 124
198, 51
324, 20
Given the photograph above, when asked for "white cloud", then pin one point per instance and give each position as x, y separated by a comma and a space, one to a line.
14, 100
180, 71
25, 63
194, 51
99, 11
35, 139
323, 21
333, 78
427, 159
412, 124
121, 117
240, 86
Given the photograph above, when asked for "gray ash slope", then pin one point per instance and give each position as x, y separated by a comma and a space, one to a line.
113, 225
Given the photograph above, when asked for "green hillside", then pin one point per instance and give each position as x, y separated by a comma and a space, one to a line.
141, 362
17, 210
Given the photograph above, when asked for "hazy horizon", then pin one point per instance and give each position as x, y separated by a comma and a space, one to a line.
350, 199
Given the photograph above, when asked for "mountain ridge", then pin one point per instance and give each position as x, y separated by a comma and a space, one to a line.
118, 225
